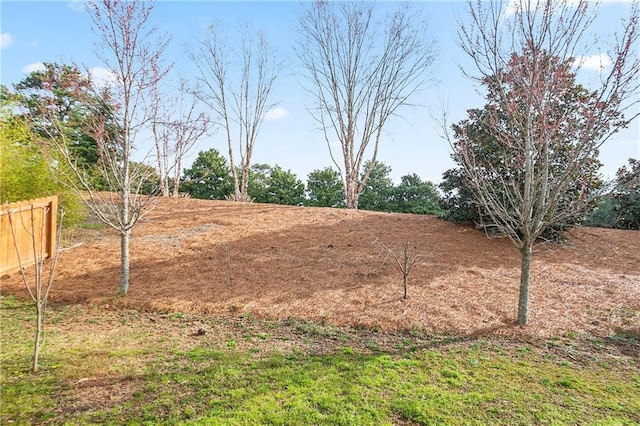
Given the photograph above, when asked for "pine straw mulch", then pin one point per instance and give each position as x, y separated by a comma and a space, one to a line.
328, 265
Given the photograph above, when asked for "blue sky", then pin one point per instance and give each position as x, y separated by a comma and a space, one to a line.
59, 31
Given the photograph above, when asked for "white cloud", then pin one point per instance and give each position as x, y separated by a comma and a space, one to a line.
276, 113
38, 66
102, 77
76, 5
598, 62
509, 9
6, 40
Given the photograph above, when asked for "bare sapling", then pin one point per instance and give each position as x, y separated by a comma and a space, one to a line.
403, 262
40, 284
177, 127
131, 49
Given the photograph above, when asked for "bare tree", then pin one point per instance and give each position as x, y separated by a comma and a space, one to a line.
547, 127
360, 72
132, 50
40, 284
404, 263
115, 196
238, 92
177, 127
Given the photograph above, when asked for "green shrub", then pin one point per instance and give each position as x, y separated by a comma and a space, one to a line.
26, 172
602, 216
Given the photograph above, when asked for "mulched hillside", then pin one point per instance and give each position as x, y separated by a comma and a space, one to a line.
330, 265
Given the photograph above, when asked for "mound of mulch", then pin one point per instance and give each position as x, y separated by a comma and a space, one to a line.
330, 265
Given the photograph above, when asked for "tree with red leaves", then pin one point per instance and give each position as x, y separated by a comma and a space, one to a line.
547, 129
132, 49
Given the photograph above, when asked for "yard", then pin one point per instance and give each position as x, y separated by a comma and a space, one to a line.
264, 314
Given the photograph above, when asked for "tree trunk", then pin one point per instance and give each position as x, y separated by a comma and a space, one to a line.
351, 192
232, 164
405, 271
161, 157
244, 187
176, 177
175, 192
164, 186
124, 263
37, 344
525, 273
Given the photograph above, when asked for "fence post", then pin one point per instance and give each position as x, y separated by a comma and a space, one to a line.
53, 226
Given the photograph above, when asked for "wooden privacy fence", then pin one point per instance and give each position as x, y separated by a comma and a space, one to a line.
31, 218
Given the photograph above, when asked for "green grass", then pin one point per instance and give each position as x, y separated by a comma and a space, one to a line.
297, 373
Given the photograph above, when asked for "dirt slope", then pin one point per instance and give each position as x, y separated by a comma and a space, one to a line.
324, 264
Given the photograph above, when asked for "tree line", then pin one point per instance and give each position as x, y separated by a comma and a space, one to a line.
210, 177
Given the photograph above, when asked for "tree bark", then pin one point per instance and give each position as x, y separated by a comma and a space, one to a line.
244, 187
525, 273
351, 194
405, 271
124, 263
38, 337
176, 177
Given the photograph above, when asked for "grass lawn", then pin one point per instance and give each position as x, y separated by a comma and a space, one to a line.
114, 366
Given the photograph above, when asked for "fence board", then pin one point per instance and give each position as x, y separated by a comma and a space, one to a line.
30, 218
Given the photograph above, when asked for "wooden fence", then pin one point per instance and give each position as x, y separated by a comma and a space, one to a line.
30, 218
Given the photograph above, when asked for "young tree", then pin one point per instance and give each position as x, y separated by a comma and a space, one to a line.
237, 85
361, 71
176, 128
404, 263
324, 188
38, 285
527, 62
131, 48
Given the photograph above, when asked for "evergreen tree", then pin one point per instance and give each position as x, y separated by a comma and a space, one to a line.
377, 192
325, 189
209, 177
413, 195
626, 196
